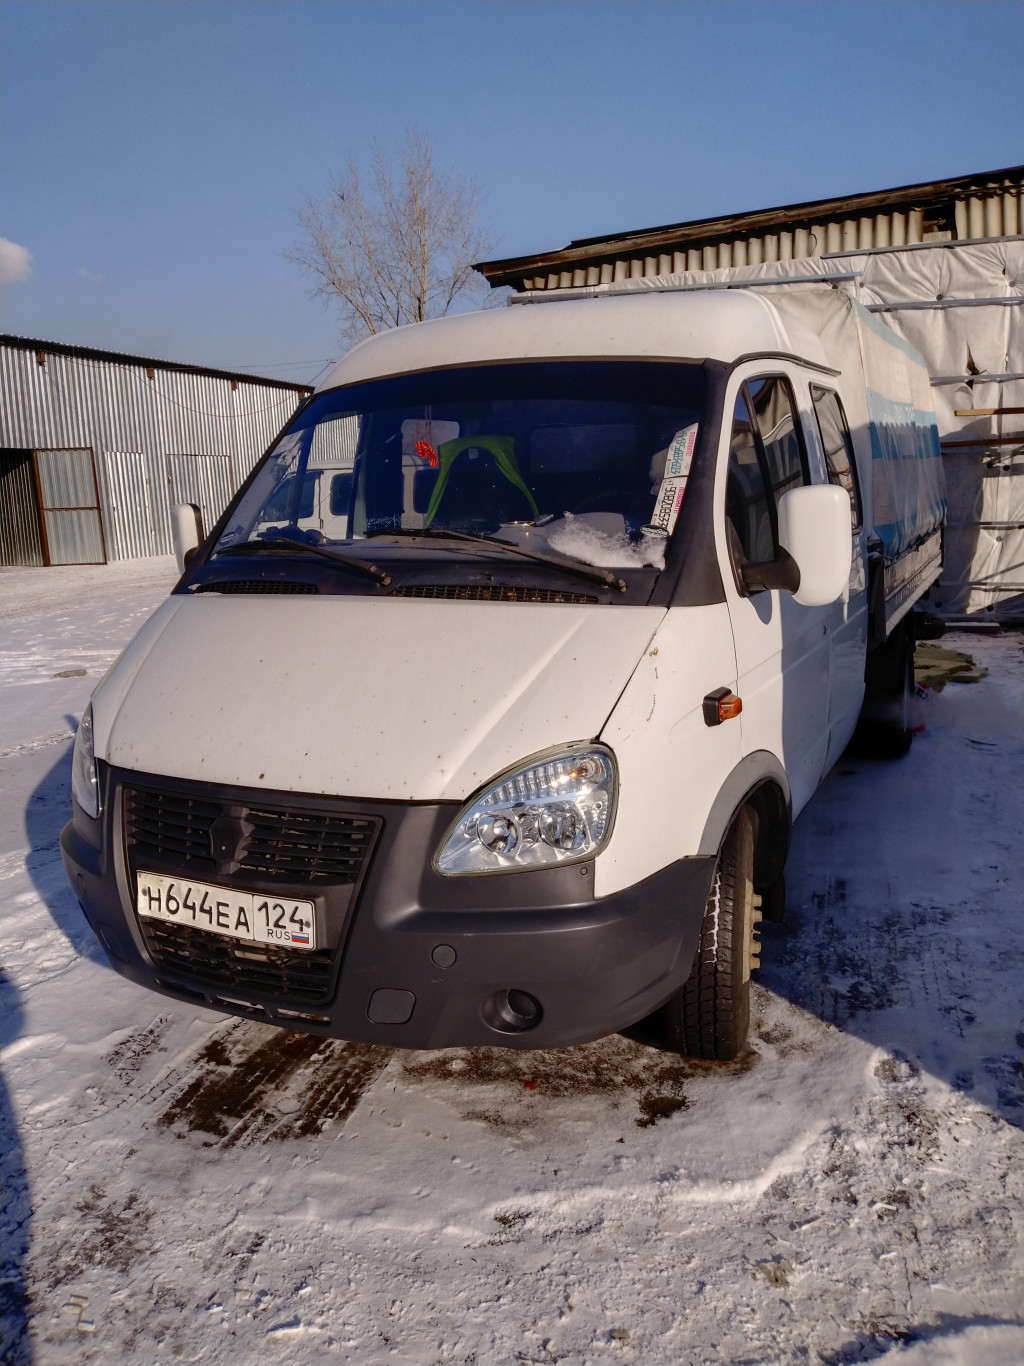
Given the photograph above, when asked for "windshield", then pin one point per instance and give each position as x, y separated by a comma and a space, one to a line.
582, 459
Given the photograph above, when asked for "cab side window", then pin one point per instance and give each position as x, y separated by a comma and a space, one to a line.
746, 499
779, 429
766, 460
835, 438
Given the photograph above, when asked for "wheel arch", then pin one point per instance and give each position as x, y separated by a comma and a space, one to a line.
759, 782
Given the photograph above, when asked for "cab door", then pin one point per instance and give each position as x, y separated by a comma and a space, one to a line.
782, 647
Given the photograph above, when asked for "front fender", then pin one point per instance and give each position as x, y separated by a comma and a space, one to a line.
760, 780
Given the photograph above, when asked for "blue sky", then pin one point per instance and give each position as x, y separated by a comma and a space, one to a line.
154, 151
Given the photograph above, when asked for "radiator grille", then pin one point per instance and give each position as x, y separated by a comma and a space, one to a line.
288, 974
488, 593
285, 845
325, 852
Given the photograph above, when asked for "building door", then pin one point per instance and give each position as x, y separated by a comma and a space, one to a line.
21, 533
69, 506
201, 479
130, 530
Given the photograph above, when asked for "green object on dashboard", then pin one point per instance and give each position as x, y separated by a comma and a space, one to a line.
502, 448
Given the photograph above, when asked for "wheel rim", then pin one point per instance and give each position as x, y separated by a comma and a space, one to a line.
751, 921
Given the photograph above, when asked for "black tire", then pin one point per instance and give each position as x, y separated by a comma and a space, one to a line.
900, 733
885, 730
709, 1016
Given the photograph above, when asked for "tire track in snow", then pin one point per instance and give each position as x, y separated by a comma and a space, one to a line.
38, 743
247, 1084
246, 1087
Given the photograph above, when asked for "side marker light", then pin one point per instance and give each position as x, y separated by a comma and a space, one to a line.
721, 705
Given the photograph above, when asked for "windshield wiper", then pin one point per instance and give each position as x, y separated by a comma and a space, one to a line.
570, 566
286, 545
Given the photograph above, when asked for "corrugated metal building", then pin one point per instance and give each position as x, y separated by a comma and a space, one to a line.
942, 261
971, 208
97, 447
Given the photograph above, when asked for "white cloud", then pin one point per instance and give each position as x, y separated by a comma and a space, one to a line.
15, 262
93, 277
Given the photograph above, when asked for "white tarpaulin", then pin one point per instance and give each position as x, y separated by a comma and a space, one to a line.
959, 305
891, 415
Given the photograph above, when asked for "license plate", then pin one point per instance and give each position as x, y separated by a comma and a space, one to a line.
224, 910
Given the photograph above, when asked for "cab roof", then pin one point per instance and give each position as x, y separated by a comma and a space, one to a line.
707, 324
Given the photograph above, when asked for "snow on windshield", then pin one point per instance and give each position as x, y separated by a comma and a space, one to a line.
604, 547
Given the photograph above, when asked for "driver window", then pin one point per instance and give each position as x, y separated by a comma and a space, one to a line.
766, 459
747, 501
779, 430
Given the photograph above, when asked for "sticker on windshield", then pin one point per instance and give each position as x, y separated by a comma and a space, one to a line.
672, 488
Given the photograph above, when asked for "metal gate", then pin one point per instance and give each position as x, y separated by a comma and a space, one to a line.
69, 506
201, 479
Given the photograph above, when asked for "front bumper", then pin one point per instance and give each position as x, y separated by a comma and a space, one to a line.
412, 959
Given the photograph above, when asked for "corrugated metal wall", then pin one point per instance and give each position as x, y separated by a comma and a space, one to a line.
996, 215
201, 479
133, 417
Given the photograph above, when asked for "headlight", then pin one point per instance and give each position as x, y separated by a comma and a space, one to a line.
551, 810
84, 780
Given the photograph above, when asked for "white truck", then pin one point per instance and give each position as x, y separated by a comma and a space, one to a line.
502, 744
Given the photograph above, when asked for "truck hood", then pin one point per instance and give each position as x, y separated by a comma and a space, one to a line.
385, 698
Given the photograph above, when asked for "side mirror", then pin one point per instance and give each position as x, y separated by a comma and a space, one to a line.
760, 575
814, 526
186, 533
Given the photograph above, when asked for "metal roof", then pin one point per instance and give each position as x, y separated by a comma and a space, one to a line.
148, 362
937, 200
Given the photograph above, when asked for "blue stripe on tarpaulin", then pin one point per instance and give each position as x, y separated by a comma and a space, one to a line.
907, 474
881, 329
915, 529
908, 433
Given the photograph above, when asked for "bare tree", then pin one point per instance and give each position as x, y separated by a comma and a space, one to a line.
396, 245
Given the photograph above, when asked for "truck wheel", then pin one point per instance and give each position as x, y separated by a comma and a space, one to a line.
885, 729
900, 731
710, 1014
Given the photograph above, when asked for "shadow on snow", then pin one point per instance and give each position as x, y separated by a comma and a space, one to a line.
16, 1215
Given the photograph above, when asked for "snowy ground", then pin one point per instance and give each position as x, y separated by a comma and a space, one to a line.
185, 1187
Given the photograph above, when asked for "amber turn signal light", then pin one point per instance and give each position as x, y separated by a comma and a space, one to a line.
721, 705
